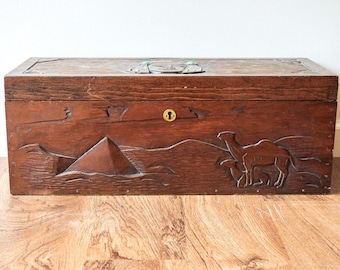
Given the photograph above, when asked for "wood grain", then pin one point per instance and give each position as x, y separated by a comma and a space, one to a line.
223, 79
93, 126
170, 232
171, 88
106, 147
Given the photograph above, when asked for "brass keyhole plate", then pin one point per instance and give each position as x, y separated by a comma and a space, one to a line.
169, 115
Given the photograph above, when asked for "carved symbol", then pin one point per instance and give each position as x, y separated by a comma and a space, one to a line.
236, 173
116, 114
159, 67
104, 157
239, 176
262, 153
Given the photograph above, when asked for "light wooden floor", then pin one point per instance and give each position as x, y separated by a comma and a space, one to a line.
170, 232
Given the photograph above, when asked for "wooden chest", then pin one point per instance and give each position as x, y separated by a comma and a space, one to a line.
170, 126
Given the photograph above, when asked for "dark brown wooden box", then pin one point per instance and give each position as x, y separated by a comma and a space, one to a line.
95, 126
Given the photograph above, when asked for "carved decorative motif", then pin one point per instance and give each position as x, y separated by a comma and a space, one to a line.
158, 67
265, 162
106, 158
262, 153
262, 164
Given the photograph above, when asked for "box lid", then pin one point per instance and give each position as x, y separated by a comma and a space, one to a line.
128, 79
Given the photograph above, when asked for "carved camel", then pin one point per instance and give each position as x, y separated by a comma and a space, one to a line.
236, 173
262, 153
239, 176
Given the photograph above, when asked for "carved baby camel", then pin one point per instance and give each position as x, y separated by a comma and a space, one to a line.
239, 176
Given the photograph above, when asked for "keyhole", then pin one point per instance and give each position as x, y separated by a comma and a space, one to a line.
169, 115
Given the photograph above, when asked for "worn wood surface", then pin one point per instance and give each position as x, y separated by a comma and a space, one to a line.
93, 126
170, 232
210, 66
211, 147
223, 79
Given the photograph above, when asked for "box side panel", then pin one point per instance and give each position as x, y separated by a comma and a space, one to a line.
137, 88
212, 147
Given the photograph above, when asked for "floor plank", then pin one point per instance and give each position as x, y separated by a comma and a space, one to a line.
232, 232
170, 232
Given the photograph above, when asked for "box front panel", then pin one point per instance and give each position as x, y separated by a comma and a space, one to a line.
212, 147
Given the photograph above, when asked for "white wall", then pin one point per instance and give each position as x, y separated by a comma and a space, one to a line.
176, 28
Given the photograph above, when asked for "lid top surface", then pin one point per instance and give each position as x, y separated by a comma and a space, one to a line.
125, 66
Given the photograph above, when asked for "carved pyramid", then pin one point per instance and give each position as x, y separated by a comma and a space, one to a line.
105, 157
